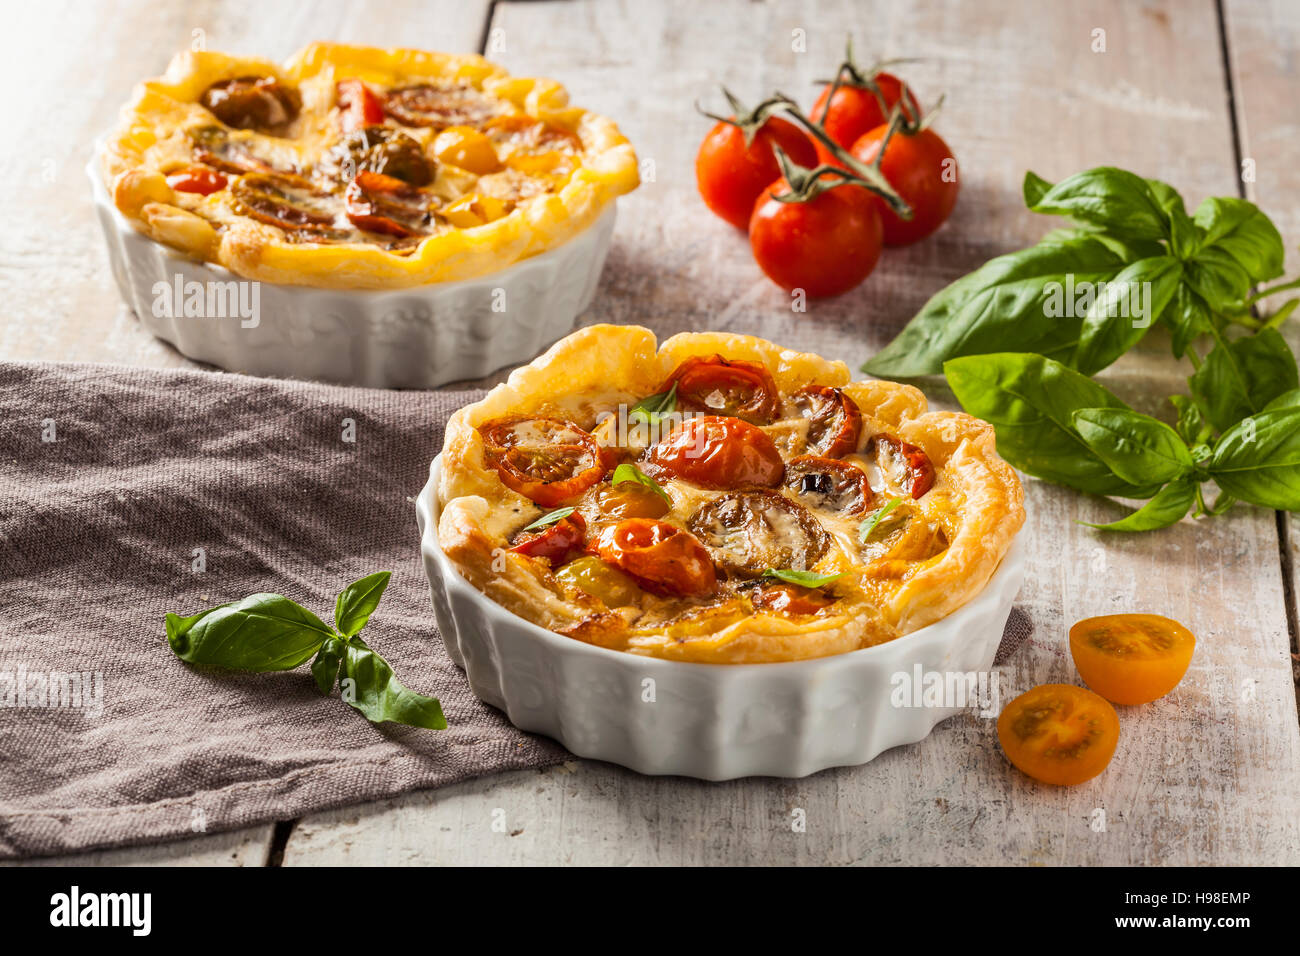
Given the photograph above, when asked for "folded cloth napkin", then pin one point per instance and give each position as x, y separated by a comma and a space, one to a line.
127, 493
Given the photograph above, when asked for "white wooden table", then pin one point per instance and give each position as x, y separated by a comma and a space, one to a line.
1184, 91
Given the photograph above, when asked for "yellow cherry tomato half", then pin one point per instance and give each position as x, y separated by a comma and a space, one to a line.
467, 148
1131, 658
473, 210
1059, 733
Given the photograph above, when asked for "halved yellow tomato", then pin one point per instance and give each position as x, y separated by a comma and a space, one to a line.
1131, 658
1059, 733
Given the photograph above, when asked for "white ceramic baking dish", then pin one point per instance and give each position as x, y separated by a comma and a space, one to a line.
408, 338
712, 721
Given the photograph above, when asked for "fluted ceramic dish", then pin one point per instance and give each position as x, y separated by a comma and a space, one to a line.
420, 337
712, 721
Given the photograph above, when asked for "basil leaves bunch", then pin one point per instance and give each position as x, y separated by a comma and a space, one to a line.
1021, 359
1130, 231
268, 632
1056, 424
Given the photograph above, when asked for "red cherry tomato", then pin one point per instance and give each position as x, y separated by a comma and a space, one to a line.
358, 106
854, 110
716, 452
196, 179
557, 542
903, 464
716, 386
921, 168
731, 176
834, 420
662, 557
824, 246
545, 459
386, 205
790, 599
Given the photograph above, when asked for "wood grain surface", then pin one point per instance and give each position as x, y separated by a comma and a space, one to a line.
1211, 774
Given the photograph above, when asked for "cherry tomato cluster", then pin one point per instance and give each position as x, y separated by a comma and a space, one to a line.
820, 195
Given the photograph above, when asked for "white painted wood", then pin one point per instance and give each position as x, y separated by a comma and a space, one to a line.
1208, 775
249, 847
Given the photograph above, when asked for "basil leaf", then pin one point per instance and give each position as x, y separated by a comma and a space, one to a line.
1114, 199
630, 472
325, 668
1169, 505
1258, 460
868, 526
1185, 237
1241, 377
807, 579
548, 519
1031, 400
1005, 304
380, 696
1119, 317
1244, 233
1192, 426
263, 632
653, 409
1289, 399
358, 601
1188, 318
1137, 447
1217, 278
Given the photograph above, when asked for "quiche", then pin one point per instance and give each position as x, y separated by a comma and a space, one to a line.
356, 167
720, 499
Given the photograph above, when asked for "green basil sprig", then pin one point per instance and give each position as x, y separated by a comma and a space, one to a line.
1132, 230
654, 408
630, 472
1056, 424
807, 579
269, 632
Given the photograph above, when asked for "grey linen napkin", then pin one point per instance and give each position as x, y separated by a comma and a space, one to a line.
111, 481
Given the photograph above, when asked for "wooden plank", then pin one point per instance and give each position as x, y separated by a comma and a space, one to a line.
1262, 39
60, 302
248, 847
60, 299
1207, 775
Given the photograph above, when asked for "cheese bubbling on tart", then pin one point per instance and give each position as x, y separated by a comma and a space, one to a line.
356, 167
720, 499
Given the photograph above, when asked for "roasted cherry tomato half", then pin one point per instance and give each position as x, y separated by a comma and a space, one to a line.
922, 170
904, 465
854, 110
385, 204
824, 246
731, 175
662, 557
627, 500
1131, 658
439, 106
718, 386
556, 542
283, 200
790, 599
748, 532
715, 452
1059, 733
829, 484
834, 420
531, 135
600, 580
359, 106
196, 179
545, 459
259, 103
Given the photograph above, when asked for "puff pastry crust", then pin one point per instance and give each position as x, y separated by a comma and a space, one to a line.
556, 167
930, 554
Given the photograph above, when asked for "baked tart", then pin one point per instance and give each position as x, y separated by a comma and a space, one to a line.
362, 168
720, 499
